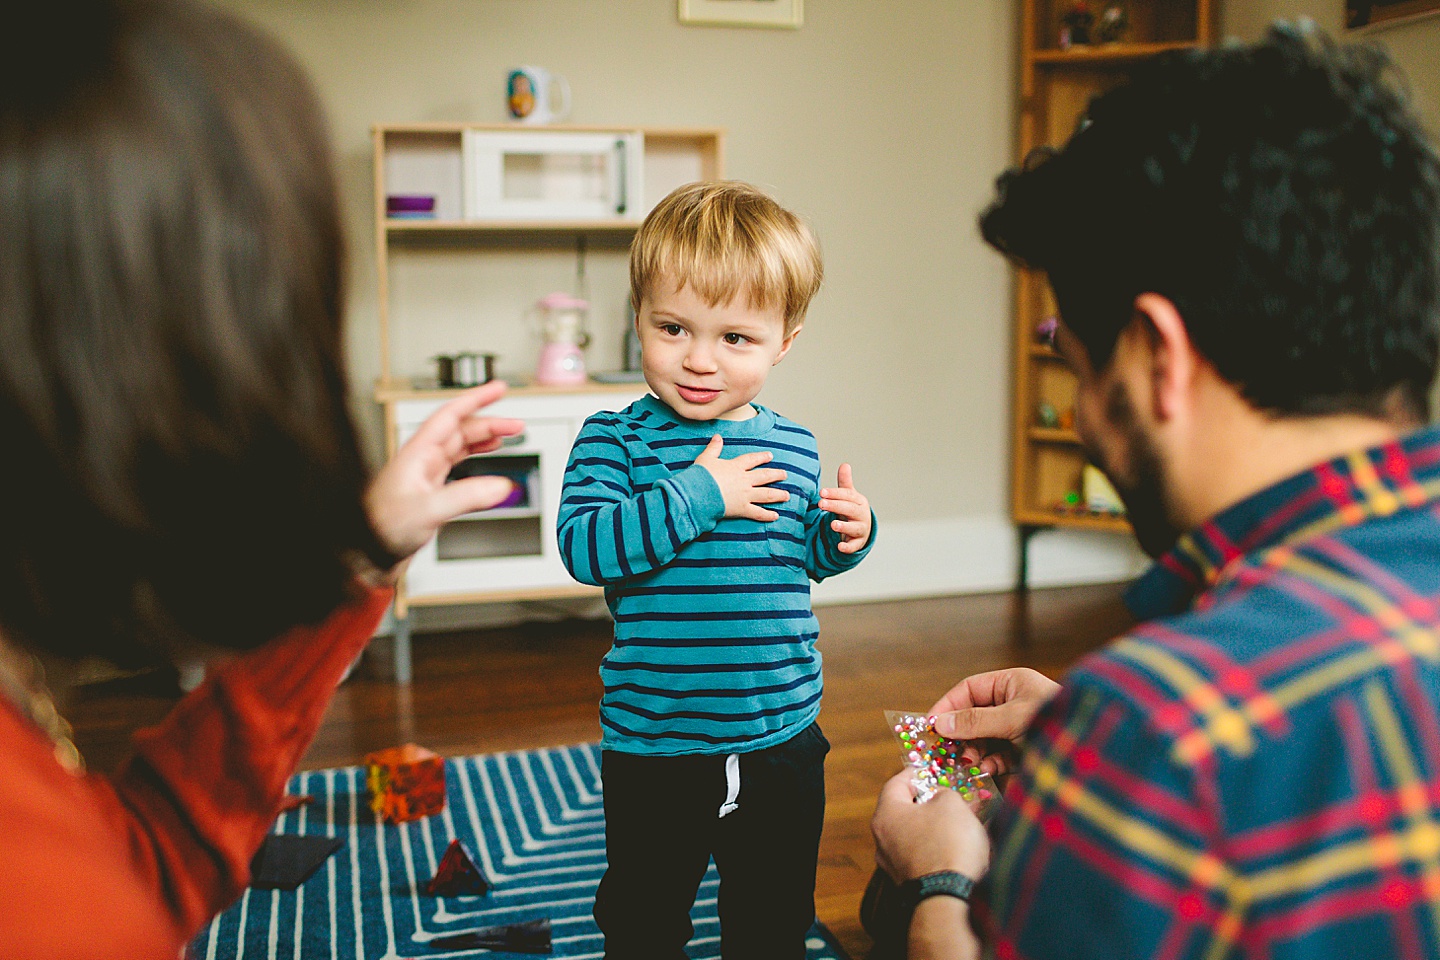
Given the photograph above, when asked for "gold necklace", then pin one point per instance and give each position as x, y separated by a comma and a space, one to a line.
22, 681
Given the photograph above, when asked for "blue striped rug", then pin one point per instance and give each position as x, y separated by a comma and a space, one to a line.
535, 823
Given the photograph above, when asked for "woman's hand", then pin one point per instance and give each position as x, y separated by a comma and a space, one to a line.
409, 499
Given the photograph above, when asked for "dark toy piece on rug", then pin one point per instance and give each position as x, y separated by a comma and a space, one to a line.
457, 875
283, 863
533, 936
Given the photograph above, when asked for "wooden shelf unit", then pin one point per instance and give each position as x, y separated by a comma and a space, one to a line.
1055, 89
393, 226
673, 155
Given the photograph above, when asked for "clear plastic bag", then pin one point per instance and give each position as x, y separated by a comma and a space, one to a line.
937, 765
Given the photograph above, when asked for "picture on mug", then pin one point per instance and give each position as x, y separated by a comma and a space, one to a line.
521, 95
534, 95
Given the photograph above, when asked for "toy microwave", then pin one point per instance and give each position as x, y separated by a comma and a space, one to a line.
553, 175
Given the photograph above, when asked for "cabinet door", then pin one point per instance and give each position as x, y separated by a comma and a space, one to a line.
510, 547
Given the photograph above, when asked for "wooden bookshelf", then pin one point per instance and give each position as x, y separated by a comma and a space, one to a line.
1056, 86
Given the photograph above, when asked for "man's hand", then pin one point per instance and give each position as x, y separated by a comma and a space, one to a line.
743, 484
914, 839
851, 510
992, 711
409, 499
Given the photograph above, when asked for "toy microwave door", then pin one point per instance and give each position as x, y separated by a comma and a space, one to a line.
553, 175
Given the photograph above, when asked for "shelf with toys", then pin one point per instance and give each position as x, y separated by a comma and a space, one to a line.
494, 189
1071, 50
1112, 53
1053, 435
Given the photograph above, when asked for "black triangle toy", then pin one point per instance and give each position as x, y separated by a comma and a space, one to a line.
532, 936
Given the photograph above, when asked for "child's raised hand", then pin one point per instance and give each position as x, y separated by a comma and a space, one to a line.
743, 484
851, 510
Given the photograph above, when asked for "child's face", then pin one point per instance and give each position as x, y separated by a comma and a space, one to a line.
708, 362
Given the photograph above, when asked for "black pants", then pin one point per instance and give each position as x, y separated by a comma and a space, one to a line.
662, 826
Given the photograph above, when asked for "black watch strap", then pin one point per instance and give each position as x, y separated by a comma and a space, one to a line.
946, 883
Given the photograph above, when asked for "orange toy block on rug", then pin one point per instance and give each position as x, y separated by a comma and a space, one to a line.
406, 782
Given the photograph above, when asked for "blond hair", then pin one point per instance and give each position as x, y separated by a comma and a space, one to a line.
719, 237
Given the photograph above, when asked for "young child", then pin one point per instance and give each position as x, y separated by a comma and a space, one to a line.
700, 513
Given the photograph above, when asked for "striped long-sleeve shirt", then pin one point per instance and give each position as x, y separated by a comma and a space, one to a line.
1254, 771
714, 636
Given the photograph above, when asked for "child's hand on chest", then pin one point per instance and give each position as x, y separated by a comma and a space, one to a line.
747, 485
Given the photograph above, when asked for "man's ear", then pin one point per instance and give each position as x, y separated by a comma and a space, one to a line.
1174, 360
787, 343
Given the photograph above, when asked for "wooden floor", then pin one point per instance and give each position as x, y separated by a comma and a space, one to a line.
536, 685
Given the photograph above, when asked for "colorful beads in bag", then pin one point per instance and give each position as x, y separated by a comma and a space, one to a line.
938, 764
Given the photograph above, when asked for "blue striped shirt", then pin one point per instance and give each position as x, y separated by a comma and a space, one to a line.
714, 636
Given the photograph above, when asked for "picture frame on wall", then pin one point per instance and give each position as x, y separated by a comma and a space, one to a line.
1360, 14
782, 14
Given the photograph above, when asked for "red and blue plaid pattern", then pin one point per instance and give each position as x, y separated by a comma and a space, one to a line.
1254, 771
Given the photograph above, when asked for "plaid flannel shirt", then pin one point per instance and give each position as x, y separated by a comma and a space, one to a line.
1255, 770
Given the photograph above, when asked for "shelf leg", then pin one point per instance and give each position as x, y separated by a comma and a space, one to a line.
1022, 563
404, 670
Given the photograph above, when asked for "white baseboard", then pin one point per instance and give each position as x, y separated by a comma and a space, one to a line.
917, 558
977, 555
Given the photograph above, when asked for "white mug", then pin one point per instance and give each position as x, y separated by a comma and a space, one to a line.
531, 95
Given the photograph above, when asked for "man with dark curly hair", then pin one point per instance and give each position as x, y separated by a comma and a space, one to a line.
1244, 245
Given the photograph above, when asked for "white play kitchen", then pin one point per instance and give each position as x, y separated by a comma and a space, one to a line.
491, 192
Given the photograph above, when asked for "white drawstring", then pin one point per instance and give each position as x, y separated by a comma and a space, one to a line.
732, 785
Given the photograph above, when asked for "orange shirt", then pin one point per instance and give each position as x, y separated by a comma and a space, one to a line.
132, 866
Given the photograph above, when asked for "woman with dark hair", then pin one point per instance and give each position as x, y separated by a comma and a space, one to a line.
181, 473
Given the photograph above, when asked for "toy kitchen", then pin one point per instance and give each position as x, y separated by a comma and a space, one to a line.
501, 254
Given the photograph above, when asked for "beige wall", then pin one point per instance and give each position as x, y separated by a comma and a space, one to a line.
883, 123
1415, 44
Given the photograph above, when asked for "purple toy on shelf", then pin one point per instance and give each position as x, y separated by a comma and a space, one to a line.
409, 207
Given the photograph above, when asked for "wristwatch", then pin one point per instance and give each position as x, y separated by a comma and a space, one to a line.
945, 883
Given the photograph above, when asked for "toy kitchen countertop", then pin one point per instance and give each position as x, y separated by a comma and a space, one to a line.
389, 391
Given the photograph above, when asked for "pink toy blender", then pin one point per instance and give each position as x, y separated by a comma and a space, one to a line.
562, 322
